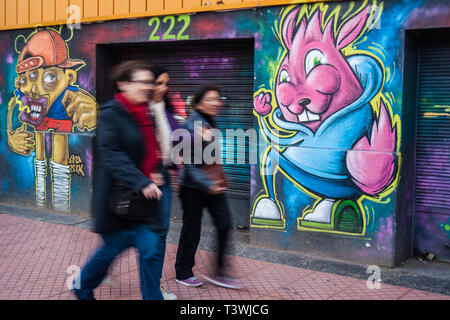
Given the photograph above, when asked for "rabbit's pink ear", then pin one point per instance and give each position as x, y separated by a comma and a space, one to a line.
314, 29
351, 29
328, 32
288, 28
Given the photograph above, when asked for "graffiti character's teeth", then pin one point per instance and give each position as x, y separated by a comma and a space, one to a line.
35, 110
303, 117
313, 116
308, 116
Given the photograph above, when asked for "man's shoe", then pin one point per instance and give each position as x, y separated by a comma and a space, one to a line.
167, 295
190, 282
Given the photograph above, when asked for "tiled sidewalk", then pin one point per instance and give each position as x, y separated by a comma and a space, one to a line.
35, 257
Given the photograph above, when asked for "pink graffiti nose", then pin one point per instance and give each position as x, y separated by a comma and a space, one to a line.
304, 102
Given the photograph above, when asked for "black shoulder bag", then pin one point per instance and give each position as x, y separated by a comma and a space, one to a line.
129, 205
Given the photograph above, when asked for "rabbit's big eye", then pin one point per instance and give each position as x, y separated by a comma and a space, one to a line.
284, 76
313, 59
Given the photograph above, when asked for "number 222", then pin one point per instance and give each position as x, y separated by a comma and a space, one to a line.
167, 35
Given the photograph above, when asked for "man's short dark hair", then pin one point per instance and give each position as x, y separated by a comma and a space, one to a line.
124, 71
202, 90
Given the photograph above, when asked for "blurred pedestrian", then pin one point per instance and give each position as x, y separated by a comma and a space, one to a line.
126, 153
198, 190
163, 114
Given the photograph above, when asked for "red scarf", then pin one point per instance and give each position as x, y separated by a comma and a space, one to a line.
140, 114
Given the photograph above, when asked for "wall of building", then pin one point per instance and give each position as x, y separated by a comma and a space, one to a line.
344, 60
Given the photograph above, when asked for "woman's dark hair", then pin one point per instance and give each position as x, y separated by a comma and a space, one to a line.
202, 90
157, 71
124, 71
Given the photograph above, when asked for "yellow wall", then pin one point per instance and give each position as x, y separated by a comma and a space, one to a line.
17, 14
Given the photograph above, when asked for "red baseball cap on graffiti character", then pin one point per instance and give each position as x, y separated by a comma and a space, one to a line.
45, 49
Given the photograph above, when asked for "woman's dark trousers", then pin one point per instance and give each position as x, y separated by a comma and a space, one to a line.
193, 202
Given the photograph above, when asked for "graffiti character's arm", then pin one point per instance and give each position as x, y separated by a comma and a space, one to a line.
82, 108
21, 141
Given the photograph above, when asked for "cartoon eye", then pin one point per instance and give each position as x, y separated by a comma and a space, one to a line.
313, 59
49, 78
33, 75
22, 81
284, 76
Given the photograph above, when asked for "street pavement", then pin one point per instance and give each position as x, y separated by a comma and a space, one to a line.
39, 258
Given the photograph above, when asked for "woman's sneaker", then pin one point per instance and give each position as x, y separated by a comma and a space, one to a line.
190, 282
167, 295
226, 282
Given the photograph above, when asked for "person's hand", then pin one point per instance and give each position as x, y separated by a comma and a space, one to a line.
216, 189
157, 178
152, 192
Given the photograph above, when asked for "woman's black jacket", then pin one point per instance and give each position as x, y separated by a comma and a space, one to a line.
119, 148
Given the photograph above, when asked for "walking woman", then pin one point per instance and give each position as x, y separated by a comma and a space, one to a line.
127, 153
165, 123
198, 191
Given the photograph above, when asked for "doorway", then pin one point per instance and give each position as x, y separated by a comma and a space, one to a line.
432, 167
227, 63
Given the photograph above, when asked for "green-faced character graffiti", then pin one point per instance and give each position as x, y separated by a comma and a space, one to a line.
48, 100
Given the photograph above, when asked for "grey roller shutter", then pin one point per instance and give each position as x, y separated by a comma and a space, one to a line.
228, 64
433, 129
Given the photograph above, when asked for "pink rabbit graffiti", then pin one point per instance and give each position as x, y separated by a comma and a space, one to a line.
321, 93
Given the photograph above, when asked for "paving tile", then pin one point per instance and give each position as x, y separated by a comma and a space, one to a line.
313, 286
360, 290
423, 295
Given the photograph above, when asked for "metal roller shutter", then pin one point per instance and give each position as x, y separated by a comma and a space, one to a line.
227, 63
433, 129
432, 198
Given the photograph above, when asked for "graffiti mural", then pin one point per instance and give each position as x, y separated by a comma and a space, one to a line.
332, 133
49, 105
